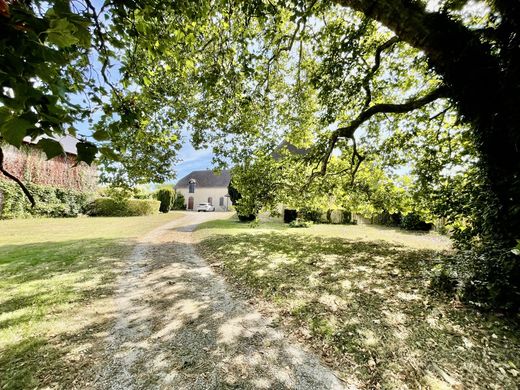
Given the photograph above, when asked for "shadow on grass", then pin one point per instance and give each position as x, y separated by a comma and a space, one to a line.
47, 294
366, 306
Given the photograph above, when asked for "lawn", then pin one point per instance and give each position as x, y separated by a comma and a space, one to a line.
359, 296
56, 281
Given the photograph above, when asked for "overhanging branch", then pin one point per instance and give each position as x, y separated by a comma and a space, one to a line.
400, 108
347, 132
15, 179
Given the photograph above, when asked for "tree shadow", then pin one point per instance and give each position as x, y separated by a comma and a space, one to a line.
366, 307
50, 293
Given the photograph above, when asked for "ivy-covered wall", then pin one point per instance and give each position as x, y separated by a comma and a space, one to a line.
31, 166
50, 201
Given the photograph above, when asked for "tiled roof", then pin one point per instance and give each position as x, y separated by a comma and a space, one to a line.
206, 178
68, 142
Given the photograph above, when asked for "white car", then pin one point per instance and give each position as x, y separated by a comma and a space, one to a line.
205, 207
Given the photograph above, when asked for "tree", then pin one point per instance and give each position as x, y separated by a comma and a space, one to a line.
359, 77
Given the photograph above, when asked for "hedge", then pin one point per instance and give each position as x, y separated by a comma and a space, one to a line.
50, 201
108, 207
166, 196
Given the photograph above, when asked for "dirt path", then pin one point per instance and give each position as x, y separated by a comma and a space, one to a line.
180, 327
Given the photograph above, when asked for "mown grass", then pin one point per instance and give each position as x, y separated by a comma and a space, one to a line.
56, 281
359, 295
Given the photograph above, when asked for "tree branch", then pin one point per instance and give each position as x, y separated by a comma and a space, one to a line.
410, 105
15, 179
102, 46
377, 62
348, 131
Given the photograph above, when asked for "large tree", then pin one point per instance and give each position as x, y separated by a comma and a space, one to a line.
432, 87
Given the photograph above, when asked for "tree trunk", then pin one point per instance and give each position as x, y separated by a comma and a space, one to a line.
485, 87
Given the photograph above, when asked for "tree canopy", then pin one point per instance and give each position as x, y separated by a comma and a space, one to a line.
425, 87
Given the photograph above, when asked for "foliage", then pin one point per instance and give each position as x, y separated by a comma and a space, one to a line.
308, 214
179, 203
51, 201
167, 197
413, 221
485, 277
300, 223
109, 207
422, 85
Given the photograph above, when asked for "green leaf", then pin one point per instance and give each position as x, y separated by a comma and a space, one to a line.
109, 153
14, 130
61, 33
86, 151
101, 135
51, 148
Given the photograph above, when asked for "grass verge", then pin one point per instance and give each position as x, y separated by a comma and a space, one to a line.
359, 296
56, 281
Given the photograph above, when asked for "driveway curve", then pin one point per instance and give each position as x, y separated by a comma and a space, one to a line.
179, 326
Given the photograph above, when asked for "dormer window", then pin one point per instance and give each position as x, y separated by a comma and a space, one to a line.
191, 186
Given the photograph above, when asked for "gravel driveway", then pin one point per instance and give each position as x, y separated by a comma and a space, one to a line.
179, 326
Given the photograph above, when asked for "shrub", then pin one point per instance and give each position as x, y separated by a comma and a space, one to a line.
246, 218
50, 201
413, 221
166, 196
179, 203
108, 207
347, 217
299, 223
309, 214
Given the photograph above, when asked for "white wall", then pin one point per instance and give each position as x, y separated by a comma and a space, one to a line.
201, 195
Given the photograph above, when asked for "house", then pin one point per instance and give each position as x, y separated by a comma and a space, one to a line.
30, 165
205, 187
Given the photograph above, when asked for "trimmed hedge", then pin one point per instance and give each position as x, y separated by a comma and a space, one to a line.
50, 201
413, 221
108, 207
166, 196
179, 203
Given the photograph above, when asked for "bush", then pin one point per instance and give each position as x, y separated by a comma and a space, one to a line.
308, 214
486, 277
108, 207
413, 221
299, 223
246, 218
347, 217
179, 203
166, 196
50, 201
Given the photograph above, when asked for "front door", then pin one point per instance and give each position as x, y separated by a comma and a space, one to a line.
190, 203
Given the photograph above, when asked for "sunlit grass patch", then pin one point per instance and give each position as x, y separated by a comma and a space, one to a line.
359, 295
56, 281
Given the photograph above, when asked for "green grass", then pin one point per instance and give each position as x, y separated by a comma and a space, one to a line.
56, 281
359, 296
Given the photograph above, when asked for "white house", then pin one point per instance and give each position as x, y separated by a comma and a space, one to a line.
205, 187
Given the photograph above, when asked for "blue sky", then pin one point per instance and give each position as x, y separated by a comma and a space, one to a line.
193, 160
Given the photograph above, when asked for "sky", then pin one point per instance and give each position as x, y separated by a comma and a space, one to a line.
192, 160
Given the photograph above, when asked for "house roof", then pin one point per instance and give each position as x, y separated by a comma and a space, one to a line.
288, 147
68, 142
206, 178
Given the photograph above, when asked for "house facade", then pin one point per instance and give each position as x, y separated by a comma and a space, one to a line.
205, 187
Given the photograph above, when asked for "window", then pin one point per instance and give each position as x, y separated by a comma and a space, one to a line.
192, 186
210, 200
221, 201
